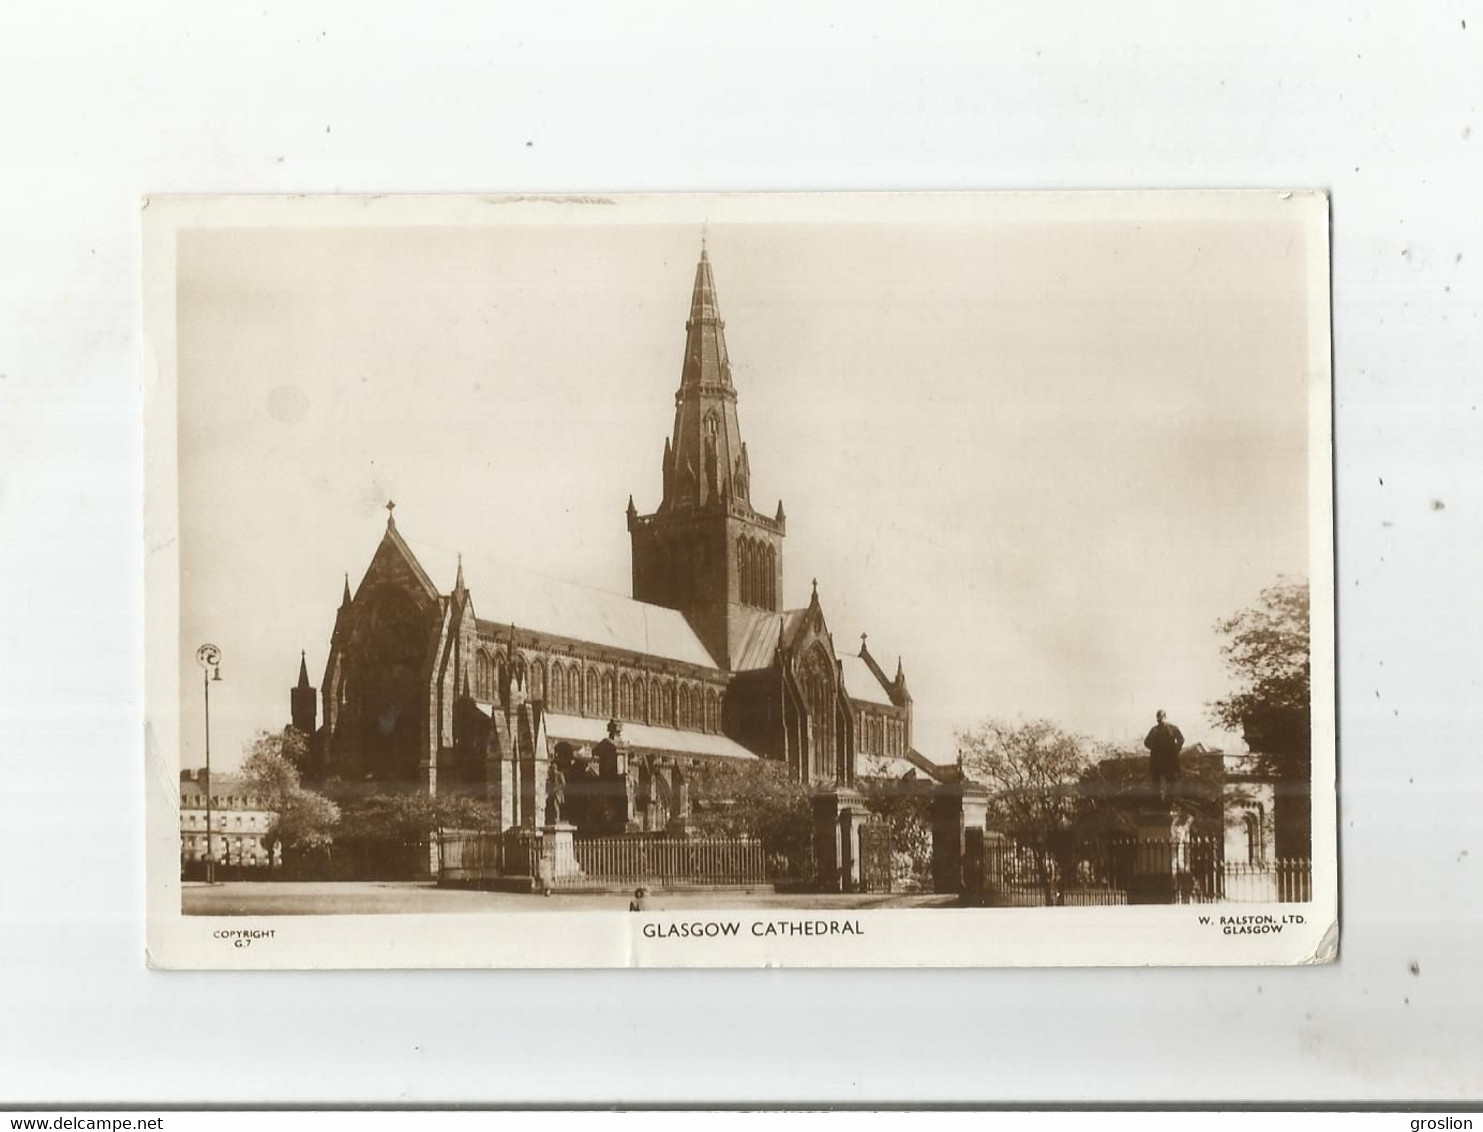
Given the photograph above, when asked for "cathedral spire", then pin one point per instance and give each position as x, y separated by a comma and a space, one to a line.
303, 669
706, 327
345, 598
704, 462
704, 551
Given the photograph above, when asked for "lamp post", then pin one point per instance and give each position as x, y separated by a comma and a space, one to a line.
209, 658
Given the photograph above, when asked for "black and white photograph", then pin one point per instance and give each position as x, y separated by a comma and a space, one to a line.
845, 580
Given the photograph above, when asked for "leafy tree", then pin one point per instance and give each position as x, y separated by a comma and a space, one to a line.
304, 821
399, 820
907, 809
1267, 649
1033, 772
757, 799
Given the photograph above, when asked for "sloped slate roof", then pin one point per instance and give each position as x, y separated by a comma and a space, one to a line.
504, 595
758, 643
860, 683
643, 737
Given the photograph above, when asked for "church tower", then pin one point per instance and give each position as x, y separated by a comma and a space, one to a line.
705, 551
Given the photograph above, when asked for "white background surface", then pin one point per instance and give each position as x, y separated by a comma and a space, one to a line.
1378, 104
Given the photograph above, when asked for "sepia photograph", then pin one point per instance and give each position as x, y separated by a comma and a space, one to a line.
877, 579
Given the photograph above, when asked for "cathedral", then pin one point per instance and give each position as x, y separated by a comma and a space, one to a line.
508, 682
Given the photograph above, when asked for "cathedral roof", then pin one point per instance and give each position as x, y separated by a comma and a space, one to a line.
757, 641
642, 737
860, 683
505, 596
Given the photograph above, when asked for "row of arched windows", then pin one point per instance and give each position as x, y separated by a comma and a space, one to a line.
878, 735
756, 569
572, 688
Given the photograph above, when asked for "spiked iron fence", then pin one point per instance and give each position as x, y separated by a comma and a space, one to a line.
1188, 871
669, 861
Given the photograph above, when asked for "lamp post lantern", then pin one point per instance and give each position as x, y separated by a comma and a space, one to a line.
209, 658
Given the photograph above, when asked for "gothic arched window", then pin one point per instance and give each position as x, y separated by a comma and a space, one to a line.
818, 698
482, 676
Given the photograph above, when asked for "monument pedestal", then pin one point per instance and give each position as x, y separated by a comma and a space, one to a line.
1154, 875
558, 854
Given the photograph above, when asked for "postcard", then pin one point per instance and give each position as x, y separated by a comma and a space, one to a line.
739, 580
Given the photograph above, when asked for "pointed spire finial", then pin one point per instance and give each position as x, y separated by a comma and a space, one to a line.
303, 669
816, 589
863, 649
458, 581
703, 230
345, 598
390, 518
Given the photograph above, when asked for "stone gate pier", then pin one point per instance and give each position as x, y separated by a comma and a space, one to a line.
967, 857
839, 812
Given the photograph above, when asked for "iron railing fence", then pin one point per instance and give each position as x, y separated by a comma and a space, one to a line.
669, 861
1192, 871
467, 856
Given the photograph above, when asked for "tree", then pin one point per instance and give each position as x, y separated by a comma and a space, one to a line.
756, 799
1033, 773
1267, 649
303, 821
383, 828
905, 805
412, 816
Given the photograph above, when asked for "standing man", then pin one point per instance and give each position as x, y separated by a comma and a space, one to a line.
1164, 742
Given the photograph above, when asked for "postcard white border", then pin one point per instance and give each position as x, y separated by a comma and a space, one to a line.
1132, 936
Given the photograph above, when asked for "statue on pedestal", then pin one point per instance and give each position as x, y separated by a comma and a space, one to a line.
555, 793
1164, 742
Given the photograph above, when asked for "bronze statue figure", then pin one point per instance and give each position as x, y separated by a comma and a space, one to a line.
1164, 742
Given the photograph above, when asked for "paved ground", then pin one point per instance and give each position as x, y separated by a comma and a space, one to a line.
275, 898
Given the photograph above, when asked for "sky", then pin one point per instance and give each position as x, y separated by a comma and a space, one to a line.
1036, 456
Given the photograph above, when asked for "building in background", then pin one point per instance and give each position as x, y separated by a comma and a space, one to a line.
238, 821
